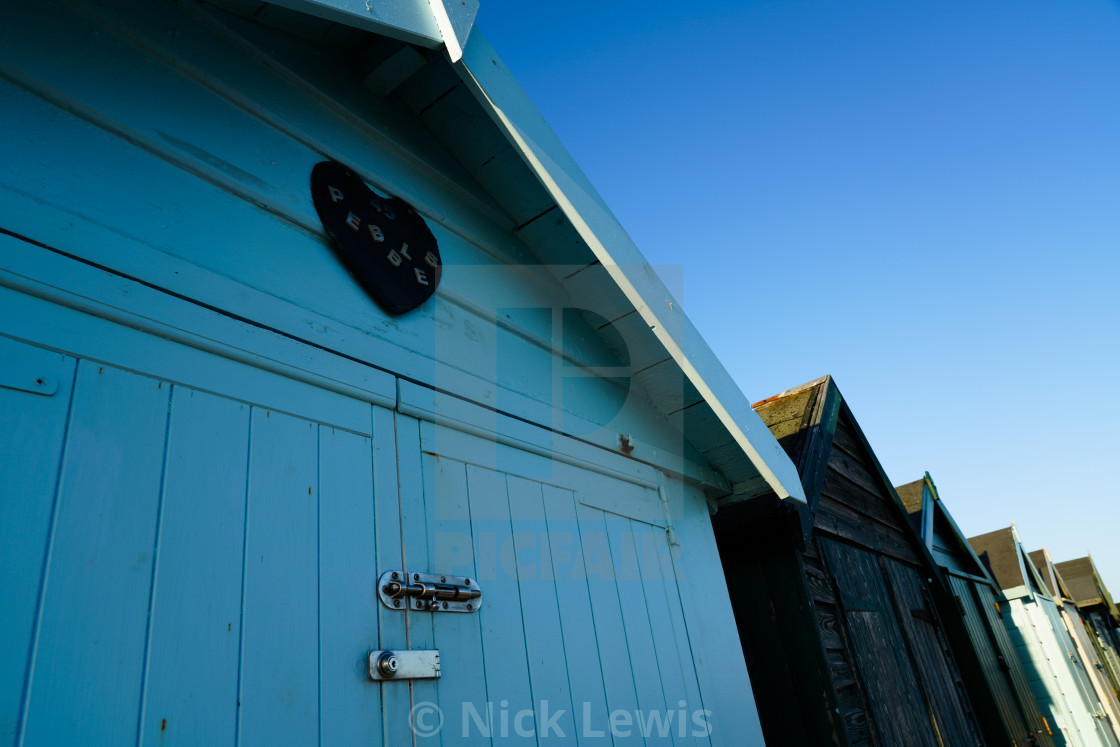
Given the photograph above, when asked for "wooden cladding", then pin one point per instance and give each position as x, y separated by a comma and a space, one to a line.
910, 685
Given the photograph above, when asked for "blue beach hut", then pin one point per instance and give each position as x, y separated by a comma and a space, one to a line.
337, 407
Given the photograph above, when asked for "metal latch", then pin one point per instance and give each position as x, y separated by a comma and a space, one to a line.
404, 665
428, 591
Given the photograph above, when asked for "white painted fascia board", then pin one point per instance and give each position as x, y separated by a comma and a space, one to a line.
455, 19
426, 23
495, 87
413, 21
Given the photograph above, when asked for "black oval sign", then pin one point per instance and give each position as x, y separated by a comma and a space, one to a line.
382, 241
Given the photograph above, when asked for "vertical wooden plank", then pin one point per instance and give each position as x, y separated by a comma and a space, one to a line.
86, 677
1078, 690
996, 669
414, 533
577, 625
280, 647
652, 715
544, 638
1020, 622
458, 636
986, 599
610, 630
503, 633
683, 652
724, 684
396, 701
650, 546
350, 704
897, 709
191, 683
935, 667
30, 451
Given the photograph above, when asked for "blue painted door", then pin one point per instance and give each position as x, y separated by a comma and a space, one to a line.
185, 567
581, 620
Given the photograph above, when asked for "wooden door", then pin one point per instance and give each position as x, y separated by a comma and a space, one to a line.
890, 683
187, 567
581, 612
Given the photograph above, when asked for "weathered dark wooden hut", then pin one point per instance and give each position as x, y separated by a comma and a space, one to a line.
981, 605
834, 603
1056, 673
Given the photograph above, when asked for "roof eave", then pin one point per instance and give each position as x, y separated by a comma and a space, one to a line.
525, 128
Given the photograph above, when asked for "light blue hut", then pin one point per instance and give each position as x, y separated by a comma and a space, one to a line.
1049, 656
337, 408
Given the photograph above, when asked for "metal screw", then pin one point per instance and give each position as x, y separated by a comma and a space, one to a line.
467, 581
396, 603
419, 604
415, 576
394, 574
443, 579
445, 605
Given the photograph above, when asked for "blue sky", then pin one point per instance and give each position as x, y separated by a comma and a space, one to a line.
922, 200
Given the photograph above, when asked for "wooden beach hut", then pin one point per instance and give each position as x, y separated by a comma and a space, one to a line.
1089, 648
337, 408
981, 606
835, 602
1088, 592
1056, 673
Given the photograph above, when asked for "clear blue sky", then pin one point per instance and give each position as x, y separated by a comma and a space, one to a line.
921, 199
